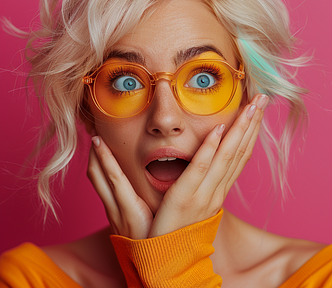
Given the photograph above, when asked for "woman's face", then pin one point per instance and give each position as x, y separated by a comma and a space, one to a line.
175, 33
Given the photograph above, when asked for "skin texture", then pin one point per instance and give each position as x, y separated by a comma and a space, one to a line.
164, 124
135, 208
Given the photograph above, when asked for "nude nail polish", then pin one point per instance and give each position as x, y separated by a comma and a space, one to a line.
262, 102
95, 141
220, 129
251, 111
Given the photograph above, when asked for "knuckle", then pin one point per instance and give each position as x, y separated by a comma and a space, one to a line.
103, 156
91, 172
244, 128
241, 152
228, 158
202, 167
212, 145
247, 156
243, 125
258, 116
117, 175
110, 183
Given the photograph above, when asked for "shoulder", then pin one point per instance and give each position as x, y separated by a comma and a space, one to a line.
11, 264
21, 258
296, 253
26, 253
300, 251
293, 259
90, 261
306, 262
268, 259
28, 266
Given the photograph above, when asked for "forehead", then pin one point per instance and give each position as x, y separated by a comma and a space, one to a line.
175, 26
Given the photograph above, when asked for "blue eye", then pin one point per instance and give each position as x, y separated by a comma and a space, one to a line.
202, 81
127, 83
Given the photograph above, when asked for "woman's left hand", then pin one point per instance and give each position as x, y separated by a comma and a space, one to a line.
200, 191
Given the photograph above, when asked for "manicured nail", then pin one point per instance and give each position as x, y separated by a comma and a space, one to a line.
251, 111
220, 129
96, 141
262, 102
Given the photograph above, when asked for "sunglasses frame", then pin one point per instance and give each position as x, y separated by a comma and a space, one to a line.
90, 80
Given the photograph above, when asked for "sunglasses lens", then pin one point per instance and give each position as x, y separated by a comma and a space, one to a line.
205, 87
122, 90
202, 87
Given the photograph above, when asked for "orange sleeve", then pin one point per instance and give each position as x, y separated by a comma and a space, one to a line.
14, 268
27, 266
179, 259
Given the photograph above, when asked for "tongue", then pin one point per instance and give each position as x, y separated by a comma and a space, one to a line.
167, 170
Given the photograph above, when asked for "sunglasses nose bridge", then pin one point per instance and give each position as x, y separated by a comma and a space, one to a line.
164, 75
168, 76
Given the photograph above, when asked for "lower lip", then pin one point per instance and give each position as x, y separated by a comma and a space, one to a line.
160, 186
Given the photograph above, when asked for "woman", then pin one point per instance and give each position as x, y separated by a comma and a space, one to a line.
164, 156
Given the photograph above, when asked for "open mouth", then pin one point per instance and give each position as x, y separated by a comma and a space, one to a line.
167, 169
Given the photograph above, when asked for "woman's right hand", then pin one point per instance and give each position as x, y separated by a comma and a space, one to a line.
127, 213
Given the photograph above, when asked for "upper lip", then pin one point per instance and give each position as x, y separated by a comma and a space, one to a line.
166, 152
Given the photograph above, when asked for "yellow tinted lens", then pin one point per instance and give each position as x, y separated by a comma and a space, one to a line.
205, 87
122, 90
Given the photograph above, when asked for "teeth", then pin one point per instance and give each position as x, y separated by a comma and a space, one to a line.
167, 159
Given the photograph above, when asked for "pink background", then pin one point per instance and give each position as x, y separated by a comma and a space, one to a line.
307, 214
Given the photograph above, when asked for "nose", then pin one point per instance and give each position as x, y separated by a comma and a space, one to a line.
165, 115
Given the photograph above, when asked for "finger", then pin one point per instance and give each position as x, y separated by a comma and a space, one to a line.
246, 157
195, 172
127, 212
122, 190
97, 177
175, 201
244, 151
235, 149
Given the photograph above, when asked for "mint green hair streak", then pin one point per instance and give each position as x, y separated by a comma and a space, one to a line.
260, 64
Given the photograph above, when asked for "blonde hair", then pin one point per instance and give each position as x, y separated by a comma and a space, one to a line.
76, 36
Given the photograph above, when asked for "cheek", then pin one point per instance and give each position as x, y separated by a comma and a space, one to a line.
112, 130
117, 133
236, 104
231, 112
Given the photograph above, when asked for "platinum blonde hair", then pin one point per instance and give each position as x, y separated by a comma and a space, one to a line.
76, 36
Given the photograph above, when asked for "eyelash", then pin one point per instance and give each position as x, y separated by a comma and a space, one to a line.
214, 71
112, 75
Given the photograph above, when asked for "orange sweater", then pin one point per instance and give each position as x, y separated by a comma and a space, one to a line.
178, 259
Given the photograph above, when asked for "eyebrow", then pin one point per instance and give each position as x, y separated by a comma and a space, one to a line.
181, 56
129, 56
185, 55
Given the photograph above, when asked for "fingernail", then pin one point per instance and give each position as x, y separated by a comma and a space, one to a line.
95, 141
251, 111
262, 102
220, 129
